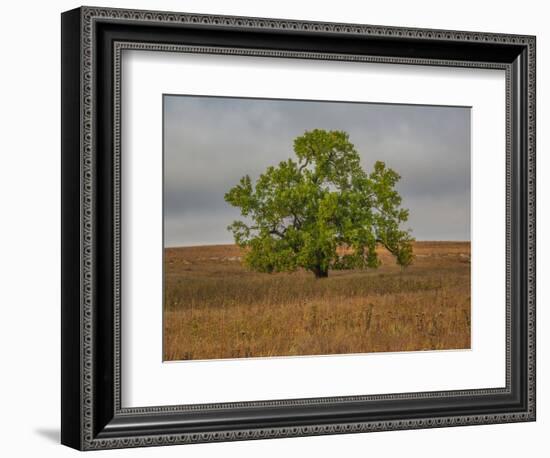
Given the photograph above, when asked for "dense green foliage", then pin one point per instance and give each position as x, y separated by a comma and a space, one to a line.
321, 211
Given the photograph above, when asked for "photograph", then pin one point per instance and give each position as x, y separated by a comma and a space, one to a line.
278, 223
314, 227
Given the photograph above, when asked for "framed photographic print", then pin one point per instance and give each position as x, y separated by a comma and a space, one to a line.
276, 228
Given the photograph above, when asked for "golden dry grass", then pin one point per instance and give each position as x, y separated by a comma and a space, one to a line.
215, 308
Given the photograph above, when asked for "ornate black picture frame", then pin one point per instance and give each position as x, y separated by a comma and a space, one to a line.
92, 42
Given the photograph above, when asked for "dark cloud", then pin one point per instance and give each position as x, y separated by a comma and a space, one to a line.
211, 142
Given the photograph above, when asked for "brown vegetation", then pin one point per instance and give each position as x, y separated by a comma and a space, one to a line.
215, 308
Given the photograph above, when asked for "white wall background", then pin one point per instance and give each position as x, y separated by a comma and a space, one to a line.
30, 240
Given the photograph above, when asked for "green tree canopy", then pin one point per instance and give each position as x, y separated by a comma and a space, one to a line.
321, 211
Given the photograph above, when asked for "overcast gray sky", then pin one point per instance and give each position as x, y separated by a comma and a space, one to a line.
211, 142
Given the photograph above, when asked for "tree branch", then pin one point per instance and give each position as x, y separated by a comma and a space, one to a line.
303, 166
386, 246
277, 232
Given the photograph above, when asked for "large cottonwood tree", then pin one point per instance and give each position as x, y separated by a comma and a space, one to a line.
320, 211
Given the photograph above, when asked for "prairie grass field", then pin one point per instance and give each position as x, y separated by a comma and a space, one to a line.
215, 308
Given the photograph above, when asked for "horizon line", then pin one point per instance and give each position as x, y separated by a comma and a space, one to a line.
234, 244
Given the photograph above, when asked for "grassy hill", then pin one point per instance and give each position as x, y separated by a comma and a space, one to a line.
215, 308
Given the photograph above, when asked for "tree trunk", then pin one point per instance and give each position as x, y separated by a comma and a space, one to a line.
320, 272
